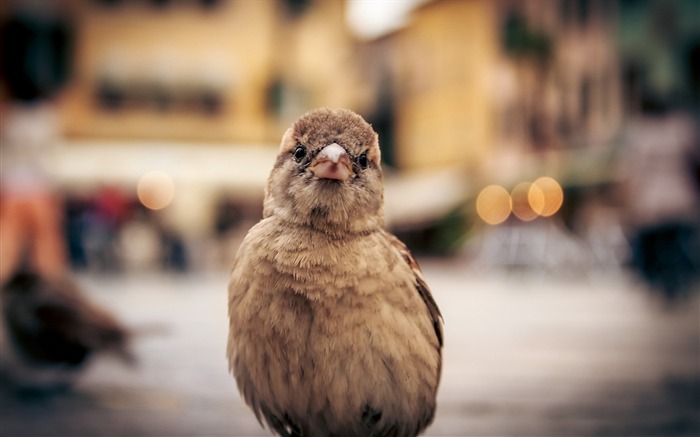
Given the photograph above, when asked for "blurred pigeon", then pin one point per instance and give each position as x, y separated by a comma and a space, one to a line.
49, 331
333, 330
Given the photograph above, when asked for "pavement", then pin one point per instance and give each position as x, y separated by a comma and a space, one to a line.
525, 355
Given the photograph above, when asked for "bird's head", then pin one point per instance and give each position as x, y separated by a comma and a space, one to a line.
328, 174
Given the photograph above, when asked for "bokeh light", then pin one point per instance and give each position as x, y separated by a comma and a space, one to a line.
536, 198
493, 204
552, 196
156, 190
523, 196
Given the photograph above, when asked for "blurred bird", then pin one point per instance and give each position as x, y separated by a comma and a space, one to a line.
333, 330
49, 331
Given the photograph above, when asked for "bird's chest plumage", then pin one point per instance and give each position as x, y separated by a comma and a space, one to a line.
326, 327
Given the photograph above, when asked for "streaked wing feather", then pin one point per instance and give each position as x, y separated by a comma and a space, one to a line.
282, 424
421, 285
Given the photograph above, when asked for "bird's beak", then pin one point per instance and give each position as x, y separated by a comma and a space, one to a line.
332, 162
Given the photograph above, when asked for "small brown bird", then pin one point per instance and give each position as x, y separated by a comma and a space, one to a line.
49, 331
333, 331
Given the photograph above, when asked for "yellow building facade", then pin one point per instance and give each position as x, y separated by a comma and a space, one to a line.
509, 81
444, 60
233, 71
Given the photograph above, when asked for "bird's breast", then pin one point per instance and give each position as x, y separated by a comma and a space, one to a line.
331, 327
322, 268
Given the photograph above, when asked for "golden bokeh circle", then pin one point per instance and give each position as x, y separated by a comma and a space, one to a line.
155, 190
553, 196
493, 205
520, 196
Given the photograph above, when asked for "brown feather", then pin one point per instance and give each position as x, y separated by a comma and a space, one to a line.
51, 325
333, 330
421, 285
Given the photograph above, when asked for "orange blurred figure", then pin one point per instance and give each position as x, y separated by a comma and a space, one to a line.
30, 213
35, 50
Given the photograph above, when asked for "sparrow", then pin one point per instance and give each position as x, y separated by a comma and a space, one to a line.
49, 332
333, 330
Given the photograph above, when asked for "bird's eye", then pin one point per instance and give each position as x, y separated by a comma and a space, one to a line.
362, 160
299, 153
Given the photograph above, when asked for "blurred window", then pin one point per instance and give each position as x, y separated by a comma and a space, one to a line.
107, 2
109, 95
514, 29
296, 8
520, 39
585, 100
159, 3
211, 102
209, 4
160, 97
583, 12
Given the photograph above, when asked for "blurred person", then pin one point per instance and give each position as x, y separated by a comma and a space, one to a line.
35, 40
76, 212
30, 213
110, 209
663, 197
175, 255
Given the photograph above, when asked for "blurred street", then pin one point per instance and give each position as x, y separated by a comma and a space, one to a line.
525, 354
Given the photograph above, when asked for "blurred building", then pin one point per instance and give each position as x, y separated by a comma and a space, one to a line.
466, 93
206, 70
481, 80
200, 90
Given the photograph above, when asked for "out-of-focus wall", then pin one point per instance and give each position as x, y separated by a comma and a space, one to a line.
480, 80
227, 71
444, 110
181, 71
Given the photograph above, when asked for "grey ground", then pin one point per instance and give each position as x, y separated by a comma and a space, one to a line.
525, 355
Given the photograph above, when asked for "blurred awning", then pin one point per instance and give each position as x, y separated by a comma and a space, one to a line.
414, 199
84, 164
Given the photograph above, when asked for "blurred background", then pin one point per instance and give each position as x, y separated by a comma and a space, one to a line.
541, 159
